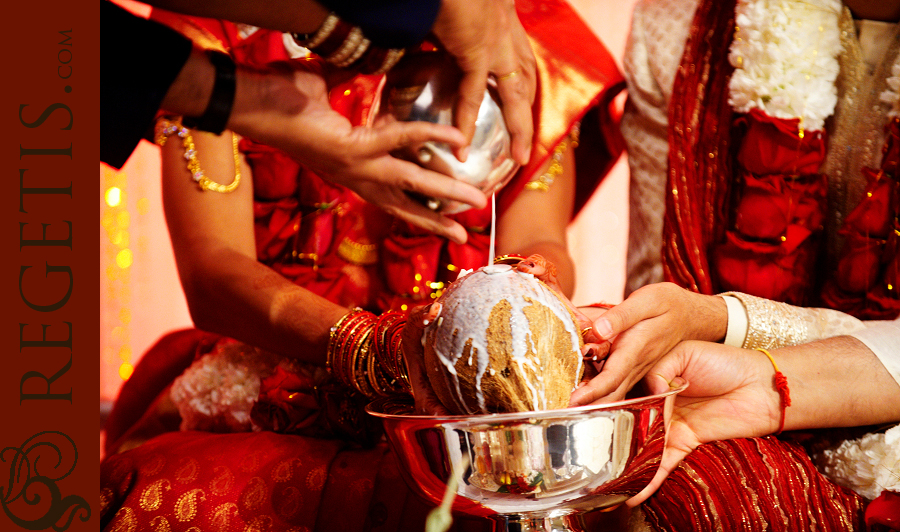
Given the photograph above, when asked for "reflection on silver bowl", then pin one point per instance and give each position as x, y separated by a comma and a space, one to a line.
531, 468
427, 93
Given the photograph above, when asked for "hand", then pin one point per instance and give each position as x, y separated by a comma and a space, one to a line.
642, 329
730, 395
485, 36
426, 400
290, 110
595, 347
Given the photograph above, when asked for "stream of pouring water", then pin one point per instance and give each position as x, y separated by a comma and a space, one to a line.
492, 252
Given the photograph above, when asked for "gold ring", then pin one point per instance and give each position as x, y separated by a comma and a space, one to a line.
510, 258
512, 74
586, 330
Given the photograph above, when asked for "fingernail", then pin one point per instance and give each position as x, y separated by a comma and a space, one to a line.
464, 154
603, 328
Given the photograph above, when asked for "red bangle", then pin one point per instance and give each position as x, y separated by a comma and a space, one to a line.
781, 386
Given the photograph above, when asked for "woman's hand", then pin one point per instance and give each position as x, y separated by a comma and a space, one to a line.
414, 355
642, 329
730, 395
289, 110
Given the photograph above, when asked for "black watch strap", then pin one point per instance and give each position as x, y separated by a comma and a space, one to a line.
215, 117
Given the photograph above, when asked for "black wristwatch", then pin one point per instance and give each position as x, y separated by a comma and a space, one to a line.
215, 117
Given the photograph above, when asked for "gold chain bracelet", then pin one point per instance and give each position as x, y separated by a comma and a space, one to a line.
542, 182
166, 128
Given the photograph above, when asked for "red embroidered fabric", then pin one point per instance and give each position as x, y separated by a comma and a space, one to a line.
699, 149
257, 481
747, 202
866, 281
757, 484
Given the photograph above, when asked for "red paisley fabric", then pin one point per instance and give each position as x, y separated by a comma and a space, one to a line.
325, 238
257, 481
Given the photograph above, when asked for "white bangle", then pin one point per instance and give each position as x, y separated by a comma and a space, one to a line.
736, 332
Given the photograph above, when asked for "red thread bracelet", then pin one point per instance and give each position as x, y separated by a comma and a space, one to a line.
781, 386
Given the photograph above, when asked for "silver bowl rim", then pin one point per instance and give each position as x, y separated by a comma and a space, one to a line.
520, 416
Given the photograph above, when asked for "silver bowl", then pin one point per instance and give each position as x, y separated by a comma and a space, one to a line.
531, 470
423, 88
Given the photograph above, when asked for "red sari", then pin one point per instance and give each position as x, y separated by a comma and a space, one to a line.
324, 238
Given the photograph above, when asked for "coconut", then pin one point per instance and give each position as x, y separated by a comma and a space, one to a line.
503, 341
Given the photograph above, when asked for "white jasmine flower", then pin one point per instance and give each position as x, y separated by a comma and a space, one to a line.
868, 465
218, 390
785, 58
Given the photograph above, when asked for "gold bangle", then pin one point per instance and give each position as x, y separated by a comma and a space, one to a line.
359, 378
347, 48
166, 127
393, 55
332, 333
322, 33
354, 57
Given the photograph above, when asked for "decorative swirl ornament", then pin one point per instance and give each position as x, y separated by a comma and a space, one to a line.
35, 468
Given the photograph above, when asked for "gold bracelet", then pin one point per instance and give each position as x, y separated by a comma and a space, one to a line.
542, 182
390, 59
322, 33
353, 41
166, 127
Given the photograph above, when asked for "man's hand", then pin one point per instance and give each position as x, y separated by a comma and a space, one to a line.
730, 395
486, 37
290, 110
642, 329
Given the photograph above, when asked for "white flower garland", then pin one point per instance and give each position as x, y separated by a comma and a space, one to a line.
785, 58
868, 465
217, 391
891, 95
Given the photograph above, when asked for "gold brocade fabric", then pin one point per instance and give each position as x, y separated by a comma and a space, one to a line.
859, 120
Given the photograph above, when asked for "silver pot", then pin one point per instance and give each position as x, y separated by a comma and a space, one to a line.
423, 88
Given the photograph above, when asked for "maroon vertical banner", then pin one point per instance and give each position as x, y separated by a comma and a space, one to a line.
49, 287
